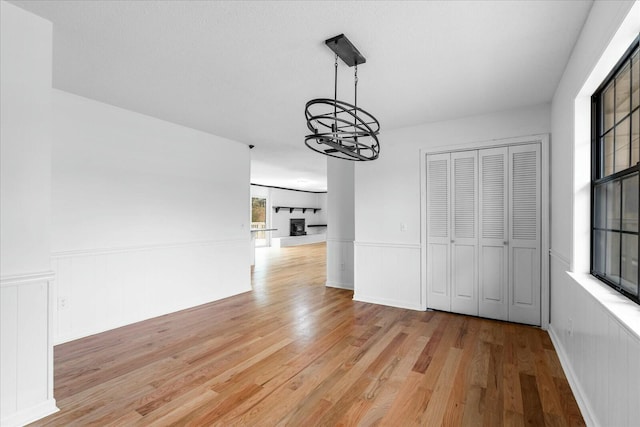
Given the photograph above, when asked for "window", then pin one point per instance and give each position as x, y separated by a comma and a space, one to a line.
615, 171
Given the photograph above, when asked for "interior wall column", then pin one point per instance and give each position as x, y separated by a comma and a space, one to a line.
340, 223
26, 349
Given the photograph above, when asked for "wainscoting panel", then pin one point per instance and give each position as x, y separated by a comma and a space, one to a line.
598, 352
340, 263
26, 361
388, 274
102, 289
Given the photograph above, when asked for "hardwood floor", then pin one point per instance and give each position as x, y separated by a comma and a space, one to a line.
293, 352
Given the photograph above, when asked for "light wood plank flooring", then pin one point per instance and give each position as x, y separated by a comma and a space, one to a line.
293, 352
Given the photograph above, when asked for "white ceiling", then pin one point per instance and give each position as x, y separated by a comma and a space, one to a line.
244, 70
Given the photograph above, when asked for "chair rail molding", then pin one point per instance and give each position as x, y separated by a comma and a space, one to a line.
19, 279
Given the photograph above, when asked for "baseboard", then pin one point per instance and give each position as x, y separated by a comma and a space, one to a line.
307, 239
332, 284
388, 302
30, 415
583, 402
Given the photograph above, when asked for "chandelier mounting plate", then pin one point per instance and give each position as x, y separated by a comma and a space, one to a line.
345, 50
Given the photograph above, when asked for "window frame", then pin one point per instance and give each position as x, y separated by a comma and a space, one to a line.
598, 167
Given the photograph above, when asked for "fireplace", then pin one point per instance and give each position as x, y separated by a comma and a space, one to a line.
296, 227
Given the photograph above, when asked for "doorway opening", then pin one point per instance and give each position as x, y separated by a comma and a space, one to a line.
259, 220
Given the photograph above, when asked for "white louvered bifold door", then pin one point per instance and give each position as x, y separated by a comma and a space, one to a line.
464, 232
438, 233
493, 256
524, 234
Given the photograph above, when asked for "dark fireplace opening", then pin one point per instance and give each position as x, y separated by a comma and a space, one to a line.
296, 227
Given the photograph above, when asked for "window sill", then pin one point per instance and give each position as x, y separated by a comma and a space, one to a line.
625, 311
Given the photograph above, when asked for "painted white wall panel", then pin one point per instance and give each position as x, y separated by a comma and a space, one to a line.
103, 290
33, 341
391, 274
340, 263
341, 221
25, 142
26, 350
148, 217
595, 331
340, 198
122, 179
598, 352
9, 349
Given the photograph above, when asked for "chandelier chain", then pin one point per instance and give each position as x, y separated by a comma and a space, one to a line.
335, 96
355, 101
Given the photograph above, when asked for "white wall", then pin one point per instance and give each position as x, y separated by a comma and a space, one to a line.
280, 220
596, 331
26, 351
148, 217
341, 217
26, 142
387, 199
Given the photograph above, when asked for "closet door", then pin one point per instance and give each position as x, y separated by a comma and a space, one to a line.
524, 234
493, 234
464, 232
438, 233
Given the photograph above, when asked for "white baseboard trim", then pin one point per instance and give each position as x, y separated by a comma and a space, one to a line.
307, 239
332, 284
31, 414
386, 301
583, 402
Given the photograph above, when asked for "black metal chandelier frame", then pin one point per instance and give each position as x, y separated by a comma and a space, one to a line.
340, 129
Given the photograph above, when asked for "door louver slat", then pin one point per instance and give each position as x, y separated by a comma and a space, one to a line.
438, 199
524, 188
465, 197
493, 186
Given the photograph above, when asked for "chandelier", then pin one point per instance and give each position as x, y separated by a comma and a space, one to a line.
340, 129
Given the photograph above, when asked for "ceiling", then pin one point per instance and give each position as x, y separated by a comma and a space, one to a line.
245, 69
